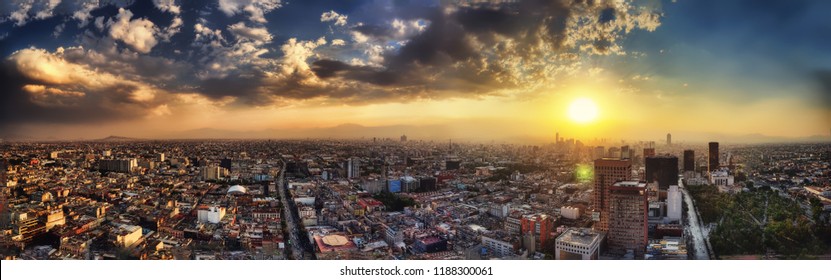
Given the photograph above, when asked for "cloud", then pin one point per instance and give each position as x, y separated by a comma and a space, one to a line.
66, 86
82, 12
241, 31
338, 19
58, 30
140, 34
24, 10
401, 52
256, 9
52, 97
221, 58
485, 48
167, 6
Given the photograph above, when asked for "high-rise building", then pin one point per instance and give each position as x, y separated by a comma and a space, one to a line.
689, 160
403, 138
628, 218
353, 168
712, 163
674, 203
607, 171
5, 214
210, 172
160, 157
669, 139
648, 152
225, 163
662, 168
539, 226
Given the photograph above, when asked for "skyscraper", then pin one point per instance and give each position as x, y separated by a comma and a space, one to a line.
689, 160
628, 220
353, 169
662, 168
713, 159
669, 139
607, 171
539, 226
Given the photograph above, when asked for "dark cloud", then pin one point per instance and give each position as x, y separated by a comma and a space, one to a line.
456, 47
16, 105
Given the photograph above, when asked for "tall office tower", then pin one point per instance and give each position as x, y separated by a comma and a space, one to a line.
628, 218
225, 163
557, 137
648, 152
353, 168
607, 171
662, 168
689, 160
5, 217
624, 152
674, 207
669, 139
712, 163
160, 157
403, 138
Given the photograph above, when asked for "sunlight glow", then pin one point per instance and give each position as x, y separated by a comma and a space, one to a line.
582, 110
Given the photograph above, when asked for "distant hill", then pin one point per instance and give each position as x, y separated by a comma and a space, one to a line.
113, 138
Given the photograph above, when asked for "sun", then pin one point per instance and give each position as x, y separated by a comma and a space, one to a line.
582, 110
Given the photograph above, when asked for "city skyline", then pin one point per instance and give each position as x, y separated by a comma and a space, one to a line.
701, 70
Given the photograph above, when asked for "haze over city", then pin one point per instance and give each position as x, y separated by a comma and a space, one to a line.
740, 72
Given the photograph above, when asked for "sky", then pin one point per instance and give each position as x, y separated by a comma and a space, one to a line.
488, 70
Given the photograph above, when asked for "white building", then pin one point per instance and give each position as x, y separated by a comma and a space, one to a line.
674, 203
498, 248
212, 214
578, 244
721, 178
569, 212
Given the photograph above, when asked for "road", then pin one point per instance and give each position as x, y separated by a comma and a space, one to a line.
299, 244
693, 226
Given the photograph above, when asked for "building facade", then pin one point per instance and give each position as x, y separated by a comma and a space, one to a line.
713, 162
663, 169
607, 171
579, 244
628, 220
689, 160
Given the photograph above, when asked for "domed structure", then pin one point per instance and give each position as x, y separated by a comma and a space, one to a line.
237, 189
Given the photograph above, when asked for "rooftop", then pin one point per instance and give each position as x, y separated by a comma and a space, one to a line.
633, 184
581, 236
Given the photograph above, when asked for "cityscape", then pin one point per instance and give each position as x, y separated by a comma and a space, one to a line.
386, 198
415, 130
